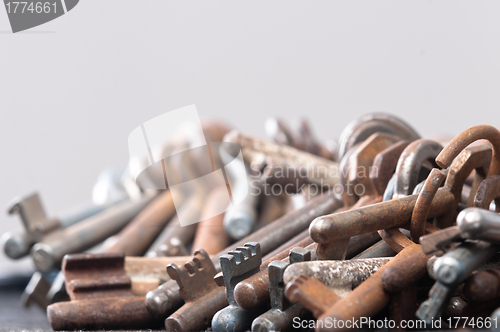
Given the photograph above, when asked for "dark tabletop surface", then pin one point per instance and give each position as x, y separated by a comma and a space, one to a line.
14, 317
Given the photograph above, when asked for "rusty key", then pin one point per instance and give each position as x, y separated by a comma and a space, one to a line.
81, 236
101, 275
102, 303
320, 171
279, 317
200, 292
104, 286
236, 266
38, 225
105, 314
107, 191
135, 238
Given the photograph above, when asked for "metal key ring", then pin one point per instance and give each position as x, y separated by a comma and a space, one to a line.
363, 127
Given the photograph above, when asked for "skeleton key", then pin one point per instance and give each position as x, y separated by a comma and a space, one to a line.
200, 292
107, 191
83, 235
96, 283
320, 171
279, 317
236, 266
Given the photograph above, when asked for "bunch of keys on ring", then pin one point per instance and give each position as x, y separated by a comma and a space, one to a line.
376, 228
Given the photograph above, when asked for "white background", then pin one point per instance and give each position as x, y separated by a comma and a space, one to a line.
73, 89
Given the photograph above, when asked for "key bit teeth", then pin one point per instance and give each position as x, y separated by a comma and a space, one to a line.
300, 254
237, 257
195, 279
219, 279
246, 251
276, 271
197, 262
190, 267
254, 248
174, 272
236, 263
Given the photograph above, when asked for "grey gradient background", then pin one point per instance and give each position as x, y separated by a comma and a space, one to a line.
73, 89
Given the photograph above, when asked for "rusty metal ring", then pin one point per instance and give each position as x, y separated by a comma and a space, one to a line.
410, 164
423, 203
476, 158
460, 142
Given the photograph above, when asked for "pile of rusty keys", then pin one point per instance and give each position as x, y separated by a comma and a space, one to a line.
381, 226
